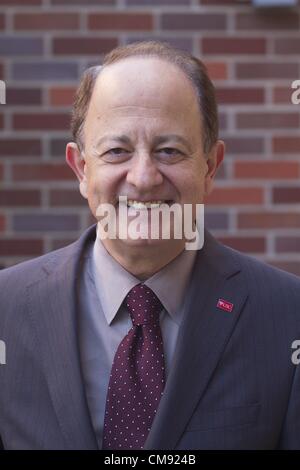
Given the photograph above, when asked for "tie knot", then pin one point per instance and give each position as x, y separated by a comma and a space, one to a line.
143, 305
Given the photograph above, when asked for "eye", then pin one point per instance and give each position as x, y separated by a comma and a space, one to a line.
115, 155
170, 151
116, 151
169, 155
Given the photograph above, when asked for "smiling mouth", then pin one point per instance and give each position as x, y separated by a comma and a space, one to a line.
143, 205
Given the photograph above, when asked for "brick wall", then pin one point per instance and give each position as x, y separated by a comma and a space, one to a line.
252, 56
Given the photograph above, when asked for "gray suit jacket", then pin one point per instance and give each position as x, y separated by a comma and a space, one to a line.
232, 384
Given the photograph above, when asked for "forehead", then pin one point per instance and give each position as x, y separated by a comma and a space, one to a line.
139, 82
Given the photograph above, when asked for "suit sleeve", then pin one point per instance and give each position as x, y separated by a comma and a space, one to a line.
290, 433
1, 444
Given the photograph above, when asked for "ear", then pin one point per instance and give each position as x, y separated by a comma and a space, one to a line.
214, 160
75, 159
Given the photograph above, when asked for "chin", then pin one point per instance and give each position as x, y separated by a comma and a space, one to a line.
142, 242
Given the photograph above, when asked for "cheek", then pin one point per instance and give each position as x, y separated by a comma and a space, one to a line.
190, 183
102, 182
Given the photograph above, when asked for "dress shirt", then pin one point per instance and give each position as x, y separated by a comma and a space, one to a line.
104, 321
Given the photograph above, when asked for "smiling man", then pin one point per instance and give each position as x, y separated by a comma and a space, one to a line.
125, 342
143, 137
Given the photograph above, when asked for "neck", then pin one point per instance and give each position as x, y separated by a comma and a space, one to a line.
145, 260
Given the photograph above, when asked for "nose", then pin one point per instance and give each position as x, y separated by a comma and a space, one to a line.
143, 173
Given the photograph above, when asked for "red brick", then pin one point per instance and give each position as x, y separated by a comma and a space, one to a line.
216, 220
1, 121
58, 146
267, 120
23, 96
20, 147
267, 170
267, 21
83, 45
222, 121
1, 172
19, 197
287, 144
236, 196
193, 21
266, 70
184, 42
51, 121
268, 220
1, 71
46, 21
2, 21
233, 45
287, 244
282, 94
223, 2
40, 172
244, 145
62, 96
159, 3
21, 3
83, 3
286, 195
64, 197
287, 45
15, 45
41, 222
21, 247
235, 95
2, 223
246, 244
121, 21
217, 70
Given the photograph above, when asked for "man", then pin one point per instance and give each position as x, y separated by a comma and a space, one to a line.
139, 343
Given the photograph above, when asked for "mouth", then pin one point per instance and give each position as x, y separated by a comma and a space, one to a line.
144, 205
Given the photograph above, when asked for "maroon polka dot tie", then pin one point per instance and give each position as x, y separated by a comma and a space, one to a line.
137, 377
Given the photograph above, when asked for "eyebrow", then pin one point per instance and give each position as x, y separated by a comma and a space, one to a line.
162, 139
118, 138
157, 140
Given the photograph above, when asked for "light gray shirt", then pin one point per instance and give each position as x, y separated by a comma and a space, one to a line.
104, 322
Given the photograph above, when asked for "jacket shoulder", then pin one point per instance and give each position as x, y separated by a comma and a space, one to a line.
30, 271
266, 278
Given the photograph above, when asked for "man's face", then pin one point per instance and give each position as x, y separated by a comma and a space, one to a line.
143, 138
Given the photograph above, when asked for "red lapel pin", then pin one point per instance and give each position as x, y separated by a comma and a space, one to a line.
225, 305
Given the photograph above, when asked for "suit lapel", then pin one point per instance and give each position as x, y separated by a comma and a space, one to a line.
203, 335
55, 319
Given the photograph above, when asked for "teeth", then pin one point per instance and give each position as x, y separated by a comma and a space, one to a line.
144, 205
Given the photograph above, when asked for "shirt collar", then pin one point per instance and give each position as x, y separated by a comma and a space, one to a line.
113, 282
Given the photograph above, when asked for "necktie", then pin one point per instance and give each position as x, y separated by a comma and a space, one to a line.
137, 377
